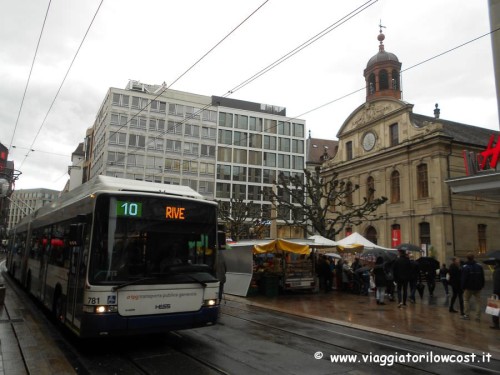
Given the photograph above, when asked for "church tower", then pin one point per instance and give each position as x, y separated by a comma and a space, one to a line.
382, 74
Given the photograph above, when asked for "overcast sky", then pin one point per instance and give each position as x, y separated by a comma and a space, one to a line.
156, 40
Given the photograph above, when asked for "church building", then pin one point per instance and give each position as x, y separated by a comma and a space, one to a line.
390, 151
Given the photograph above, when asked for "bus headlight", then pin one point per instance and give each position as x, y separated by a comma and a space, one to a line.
209, 302
101, 309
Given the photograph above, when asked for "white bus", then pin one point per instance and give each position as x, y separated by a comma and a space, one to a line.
119, 257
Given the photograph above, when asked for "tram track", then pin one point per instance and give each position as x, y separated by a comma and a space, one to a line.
255, 315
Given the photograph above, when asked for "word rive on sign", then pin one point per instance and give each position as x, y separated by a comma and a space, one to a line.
176, 213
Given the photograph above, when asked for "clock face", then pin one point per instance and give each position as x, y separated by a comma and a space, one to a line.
368, 141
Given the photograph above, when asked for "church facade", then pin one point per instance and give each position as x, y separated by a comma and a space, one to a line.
390, 151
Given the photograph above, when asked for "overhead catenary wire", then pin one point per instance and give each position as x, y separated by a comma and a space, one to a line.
29, 75
62, 83
311, 40
337, 99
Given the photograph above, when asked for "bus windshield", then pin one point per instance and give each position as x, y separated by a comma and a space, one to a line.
136, 237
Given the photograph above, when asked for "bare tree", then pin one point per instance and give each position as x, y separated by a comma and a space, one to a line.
322, 206
238, 216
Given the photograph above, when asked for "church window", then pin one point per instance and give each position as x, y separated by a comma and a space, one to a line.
395, 80
394, 134
395, 187
370, 189
422, 181
371, 84
348, 148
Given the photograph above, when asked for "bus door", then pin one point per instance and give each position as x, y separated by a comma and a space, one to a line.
76, 275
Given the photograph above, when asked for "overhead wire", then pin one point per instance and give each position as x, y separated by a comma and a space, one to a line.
62, 83
332, 101
29, 75
166, 87
311, 40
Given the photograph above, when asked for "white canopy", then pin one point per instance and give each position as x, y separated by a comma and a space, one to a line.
320, 241
357, 240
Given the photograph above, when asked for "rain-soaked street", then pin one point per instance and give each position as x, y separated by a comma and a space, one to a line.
283, 335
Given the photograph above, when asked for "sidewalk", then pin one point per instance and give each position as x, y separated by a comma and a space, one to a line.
26, 345
427, 321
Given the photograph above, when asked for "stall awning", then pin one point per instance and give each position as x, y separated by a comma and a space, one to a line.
281, 245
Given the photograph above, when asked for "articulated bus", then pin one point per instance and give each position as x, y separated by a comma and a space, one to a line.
121, 257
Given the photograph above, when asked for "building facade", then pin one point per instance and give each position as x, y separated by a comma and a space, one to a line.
223, 148
25, 201
407, 158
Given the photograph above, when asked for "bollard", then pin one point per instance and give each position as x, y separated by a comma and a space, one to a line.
2, 294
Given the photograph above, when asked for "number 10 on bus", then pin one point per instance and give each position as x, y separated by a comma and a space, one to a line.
133, 209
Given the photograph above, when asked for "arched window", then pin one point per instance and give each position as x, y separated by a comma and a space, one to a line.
371, 234
370, 189
395, 187
422, 181
383, 80
371, 84
395, 80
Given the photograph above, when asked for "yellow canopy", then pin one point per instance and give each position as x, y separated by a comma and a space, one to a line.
282, 245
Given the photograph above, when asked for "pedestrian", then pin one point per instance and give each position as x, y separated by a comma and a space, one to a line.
455, 272
443, 277
415, 271
430, 279
378, 273
472, 283
402, 272
496, 290
221, 270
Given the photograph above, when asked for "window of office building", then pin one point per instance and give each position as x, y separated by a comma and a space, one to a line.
240, 139
225, 137
255, 123
137, 141
239, 156
255, 157
284, 144
192, 112
174, 146
241, 122
239, 173
298, 162
270, 126
298, 130
283, 161
254, 175
207, 150
269, 142
174, 127
207, 168
239, 191
226, 120
191, 130
283, 128
254, 193
207, 132
172, 164
223, 172
117, 138
269, 176
224, 154
134, 160
191, 148
297, 146
269, 159
255, 140
120, 100
223, 190
210, 116
176, 109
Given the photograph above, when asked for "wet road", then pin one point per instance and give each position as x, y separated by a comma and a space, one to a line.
252, 340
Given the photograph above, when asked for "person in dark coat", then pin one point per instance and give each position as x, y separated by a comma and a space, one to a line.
472, 283
455, 272
496, 290
443, 277
413, 280
402, 271
380, 280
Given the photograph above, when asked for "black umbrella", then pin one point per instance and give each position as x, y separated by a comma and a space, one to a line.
491, 257
371, 255
363, 269
427, 264
409, 247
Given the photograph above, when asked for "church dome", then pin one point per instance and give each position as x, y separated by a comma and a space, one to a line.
382, 55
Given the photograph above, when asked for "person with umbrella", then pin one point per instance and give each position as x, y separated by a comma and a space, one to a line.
402, 272
455, 272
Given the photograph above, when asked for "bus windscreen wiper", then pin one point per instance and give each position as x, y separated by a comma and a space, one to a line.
131, 282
